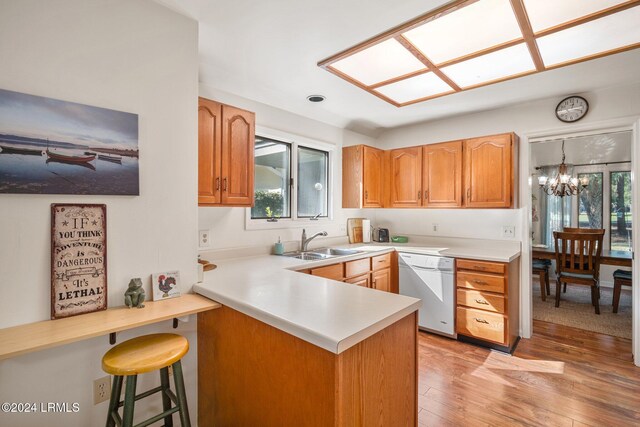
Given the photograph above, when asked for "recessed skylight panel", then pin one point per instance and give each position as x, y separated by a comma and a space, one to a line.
478, 26
601, 35
492, 66
384, 61
544, 14
421, 86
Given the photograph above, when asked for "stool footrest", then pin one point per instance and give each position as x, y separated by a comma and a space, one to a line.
158, 417
148, 393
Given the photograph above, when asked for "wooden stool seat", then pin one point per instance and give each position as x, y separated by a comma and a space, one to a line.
156, 352
145, 354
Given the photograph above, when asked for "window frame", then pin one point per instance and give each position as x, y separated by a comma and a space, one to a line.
297, 188
611, 172
294, 221
290, 146
606, 170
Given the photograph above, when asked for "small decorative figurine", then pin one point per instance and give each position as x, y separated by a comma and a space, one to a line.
134, 297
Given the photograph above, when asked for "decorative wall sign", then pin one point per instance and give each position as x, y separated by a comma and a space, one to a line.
49, 146
78, 259
165, 285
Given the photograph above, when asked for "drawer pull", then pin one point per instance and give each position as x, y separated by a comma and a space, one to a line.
480, 320
481, 301
480, 282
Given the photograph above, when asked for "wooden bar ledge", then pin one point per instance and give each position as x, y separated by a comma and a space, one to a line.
37, 336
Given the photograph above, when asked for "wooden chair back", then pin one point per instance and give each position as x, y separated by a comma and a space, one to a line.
578, 252
582, 230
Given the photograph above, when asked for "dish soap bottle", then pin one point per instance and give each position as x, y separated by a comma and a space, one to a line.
278, 248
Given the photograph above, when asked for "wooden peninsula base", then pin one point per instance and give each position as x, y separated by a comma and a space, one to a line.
252, 374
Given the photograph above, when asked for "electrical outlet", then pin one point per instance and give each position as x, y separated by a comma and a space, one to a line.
508, 231
343, 229
204, 239
101, 389
434, 227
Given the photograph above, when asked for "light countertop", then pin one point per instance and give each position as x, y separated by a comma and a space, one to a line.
330, 314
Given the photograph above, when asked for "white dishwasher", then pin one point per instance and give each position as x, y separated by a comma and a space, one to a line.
430, 278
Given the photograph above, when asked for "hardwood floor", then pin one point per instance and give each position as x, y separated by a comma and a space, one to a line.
562, 376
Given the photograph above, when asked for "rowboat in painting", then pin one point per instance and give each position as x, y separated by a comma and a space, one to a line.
7, 149
70, 158
110, 158
63, 162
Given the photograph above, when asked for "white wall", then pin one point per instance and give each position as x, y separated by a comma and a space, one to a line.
134, 56
227, 225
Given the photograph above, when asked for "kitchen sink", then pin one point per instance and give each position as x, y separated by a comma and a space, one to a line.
336, 251
307, 256
324, 253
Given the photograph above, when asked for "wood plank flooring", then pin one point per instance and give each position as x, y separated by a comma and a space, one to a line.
562, 376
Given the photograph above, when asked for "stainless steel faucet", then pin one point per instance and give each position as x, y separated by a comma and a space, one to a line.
304, 242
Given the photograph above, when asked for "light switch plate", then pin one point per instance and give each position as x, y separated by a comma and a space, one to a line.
508, 232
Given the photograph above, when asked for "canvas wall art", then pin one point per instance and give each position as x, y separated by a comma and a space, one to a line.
165, 285
49, 146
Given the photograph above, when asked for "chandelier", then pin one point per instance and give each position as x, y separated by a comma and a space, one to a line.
563, 184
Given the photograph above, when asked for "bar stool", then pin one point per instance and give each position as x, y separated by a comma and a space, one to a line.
620, 278
541, 267
145, 354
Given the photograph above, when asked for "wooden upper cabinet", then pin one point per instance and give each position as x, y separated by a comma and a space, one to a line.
238, 136
209, 151
226, 141
488, 171
405, 168
442, 175
362, 185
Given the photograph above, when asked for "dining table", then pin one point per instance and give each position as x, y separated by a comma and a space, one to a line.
608, 257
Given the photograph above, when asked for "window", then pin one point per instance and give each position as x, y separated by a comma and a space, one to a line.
313, 168
272, 179
292, 180
620, 208
590, 202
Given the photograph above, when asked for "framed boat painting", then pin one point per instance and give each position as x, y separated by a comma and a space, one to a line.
49, 146
78, 259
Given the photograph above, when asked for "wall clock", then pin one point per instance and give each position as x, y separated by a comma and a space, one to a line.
572, 109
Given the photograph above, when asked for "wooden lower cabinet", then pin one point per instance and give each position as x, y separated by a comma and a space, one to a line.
252, 374
381, 280
364, 280
488, 301
333, 271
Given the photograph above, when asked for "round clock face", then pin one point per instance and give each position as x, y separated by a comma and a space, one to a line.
572, 109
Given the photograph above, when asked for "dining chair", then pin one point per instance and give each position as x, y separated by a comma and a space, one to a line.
541, 268
579, 230
578, 261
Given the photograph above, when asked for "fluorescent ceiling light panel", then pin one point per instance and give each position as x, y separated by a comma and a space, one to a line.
481, 25
492, 66
544, 14
601, 35
378, 63
422, 86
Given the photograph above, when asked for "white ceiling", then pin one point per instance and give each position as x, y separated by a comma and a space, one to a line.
267, 51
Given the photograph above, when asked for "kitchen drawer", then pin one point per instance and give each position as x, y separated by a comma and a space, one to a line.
333, 271
381, 261
481, 300
481, 325
483, 266
480, 282
357, 267
360, 280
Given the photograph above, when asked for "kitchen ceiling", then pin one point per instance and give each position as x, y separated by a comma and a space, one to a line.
268, 52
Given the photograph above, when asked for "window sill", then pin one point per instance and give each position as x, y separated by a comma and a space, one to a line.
263, 224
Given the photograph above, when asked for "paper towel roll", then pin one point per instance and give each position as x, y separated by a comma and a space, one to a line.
366, 231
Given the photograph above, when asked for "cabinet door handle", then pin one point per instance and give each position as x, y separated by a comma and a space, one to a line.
481, 301
469, 193
419, 195
366, 194
480, 320
224, 184
426, 194
480, 282
217, 183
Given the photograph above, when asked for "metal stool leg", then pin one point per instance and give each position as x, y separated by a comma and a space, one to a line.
166, 400
116, 389
181, 395
129, 401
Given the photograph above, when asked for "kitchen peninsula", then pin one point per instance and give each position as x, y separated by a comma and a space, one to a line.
288, 348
